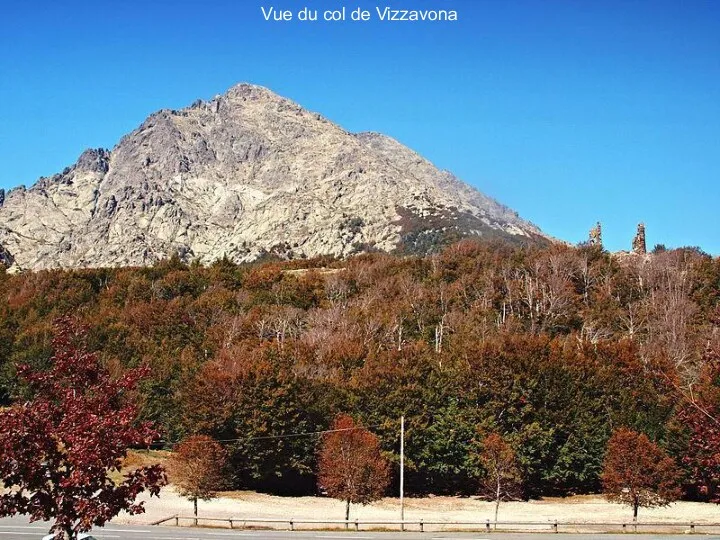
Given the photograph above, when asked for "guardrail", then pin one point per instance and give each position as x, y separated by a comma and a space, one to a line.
419, 525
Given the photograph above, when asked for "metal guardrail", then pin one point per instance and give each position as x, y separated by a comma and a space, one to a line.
487, 525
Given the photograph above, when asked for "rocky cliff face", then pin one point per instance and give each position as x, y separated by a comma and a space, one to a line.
244, 174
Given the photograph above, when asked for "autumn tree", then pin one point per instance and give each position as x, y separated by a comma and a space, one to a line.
250, 393
196, 468
351, 466
700, 416
59, 448
638, 473
502, 479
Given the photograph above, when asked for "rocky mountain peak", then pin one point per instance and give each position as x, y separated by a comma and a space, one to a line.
242, 175
247, 91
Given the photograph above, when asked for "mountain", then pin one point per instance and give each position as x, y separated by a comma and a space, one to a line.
245, 174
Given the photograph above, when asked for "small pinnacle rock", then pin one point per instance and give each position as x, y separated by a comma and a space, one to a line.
595, 237
638, 243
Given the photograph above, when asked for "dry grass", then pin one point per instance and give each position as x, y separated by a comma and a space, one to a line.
140, 458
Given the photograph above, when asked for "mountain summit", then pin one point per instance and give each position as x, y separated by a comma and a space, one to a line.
242, 175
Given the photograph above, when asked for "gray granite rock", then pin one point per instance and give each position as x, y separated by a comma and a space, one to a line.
244, 174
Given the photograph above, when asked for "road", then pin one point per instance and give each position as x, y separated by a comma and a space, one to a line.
20, 529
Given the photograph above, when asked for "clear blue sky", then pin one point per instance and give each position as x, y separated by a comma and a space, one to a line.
569, 111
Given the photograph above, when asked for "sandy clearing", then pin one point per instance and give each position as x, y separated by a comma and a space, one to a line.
575, 509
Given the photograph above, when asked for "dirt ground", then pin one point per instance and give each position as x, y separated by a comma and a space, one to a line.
575, 509
245, 505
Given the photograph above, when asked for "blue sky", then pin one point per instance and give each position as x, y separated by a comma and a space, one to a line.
569, 111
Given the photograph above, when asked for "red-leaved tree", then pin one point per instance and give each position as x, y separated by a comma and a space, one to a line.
637, 472
699, 416
351, 466
58, 449
197, 468
502, 479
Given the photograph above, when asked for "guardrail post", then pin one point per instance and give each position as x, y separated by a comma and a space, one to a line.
422, 526
692, 527
177, 521
292, 525
555, 527
487, 525
357, 526
624, 527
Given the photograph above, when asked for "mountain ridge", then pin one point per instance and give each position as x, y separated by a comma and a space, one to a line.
244, 174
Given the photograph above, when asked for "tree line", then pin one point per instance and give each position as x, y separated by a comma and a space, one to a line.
553, 349
60, 448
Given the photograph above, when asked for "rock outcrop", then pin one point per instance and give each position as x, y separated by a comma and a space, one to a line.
6, 258
595, 237
638, 243
242, 175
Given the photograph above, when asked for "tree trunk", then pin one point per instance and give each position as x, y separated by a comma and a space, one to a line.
498, 494
195, 508
636, 504
347, 513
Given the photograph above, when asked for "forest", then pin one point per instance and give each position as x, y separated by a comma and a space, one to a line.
552, 347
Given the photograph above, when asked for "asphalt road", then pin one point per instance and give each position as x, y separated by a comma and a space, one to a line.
20, 529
